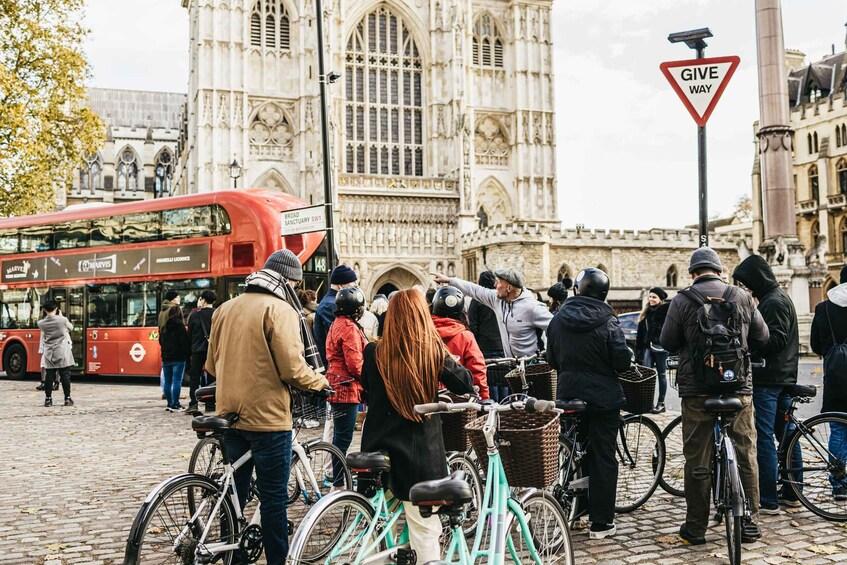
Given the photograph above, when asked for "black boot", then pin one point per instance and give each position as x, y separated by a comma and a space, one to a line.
48, 402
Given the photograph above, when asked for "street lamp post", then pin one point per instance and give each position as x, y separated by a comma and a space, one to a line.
695, 39
234, 173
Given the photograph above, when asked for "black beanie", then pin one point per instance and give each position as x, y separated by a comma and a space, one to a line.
343, 274
487, 279
558, 292
659, 292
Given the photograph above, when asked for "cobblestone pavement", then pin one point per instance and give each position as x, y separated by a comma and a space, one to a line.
72, 479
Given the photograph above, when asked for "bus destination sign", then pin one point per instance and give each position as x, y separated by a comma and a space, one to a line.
127, 263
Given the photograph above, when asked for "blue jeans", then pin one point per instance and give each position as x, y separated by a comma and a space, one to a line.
660, 362
344, 424
771, 403
173, 371
272, 459
838, 447
497, 388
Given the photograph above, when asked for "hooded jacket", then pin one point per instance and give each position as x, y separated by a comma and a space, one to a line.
163, 313
830, 322
174, 342
782, 352
483, 324
650, 328
461, 343
680, 329
586, 346
518, 320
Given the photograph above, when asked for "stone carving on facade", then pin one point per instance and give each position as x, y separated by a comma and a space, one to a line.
271, 134
492, 197
491, 146
223, 113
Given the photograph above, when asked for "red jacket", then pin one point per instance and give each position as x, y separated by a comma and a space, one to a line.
345, 346
461, 343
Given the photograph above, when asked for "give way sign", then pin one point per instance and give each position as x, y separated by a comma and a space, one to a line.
700, 83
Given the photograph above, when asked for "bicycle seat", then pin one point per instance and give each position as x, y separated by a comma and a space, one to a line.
723, 405
442, 492
206, 393
803, 391
572, 405
213, 423
369, 462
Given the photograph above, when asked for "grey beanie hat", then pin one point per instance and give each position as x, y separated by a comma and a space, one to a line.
704, 257
286, 264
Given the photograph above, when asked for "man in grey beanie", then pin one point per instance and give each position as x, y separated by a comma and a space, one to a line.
256, 354
679, 333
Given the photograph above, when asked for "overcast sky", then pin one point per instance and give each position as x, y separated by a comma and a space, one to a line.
627, 148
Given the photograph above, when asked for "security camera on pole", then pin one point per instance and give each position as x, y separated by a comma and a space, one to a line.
699, 83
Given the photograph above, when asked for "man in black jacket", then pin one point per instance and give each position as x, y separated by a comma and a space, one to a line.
678, 334
586, 346
482, 321
199, 328
771, 398
829, 327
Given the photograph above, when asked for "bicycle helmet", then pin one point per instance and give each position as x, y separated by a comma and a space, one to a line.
448, 302
592, 282
350, 302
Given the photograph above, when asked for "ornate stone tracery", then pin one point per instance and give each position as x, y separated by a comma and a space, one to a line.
491, 143
271, 133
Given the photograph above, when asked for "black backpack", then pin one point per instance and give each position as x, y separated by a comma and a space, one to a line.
718, 354
835, 361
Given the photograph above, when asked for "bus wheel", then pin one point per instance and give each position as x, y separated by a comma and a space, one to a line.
14, 361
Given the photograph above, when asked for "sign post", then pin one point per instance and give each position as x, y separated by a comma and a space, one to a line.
699, 83
304, 220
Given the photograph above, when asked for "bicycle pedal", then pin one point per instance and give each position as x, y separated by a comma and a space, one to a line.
579, 485
406, 557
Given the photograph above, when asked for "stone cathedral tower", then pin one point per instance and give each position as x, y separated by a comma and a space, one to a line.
442, 120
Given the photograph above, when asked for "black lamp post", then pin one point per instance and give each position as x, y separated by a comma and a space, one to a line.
234, 172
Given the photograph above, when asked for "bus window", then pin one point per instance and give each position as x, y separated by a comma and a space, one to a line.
186, 222
234, 287
142, 227
71, 235
21, 307
138, 306
7, 322
36, 238
8, 241
105, 231
220, 221
102, 307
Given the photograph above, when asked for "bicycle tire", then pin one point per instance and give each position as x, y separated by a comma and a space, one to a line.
548, 526
319, 465
151, 538
461, 462
672, 480
814, 482
319, 534
207, 459
639, 438
732, 500
576, 505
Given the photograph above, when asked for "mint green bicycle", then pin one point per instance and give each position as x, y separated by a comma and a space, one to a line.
359, 528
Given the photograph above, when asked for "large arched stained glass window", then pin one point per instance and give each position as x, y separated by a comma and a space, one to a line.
89, 174
384, 92
127, 170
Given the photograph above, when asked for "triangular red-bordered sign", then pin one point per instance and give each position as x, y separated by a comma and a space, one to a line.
699, 83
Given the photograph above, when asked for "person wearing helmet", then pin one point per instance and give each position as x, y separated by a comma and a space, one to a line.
345, 346
586, 346
451, 321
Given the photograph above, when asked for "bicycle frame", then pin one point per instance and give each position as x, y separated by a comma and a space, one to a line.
300, 450
385, 517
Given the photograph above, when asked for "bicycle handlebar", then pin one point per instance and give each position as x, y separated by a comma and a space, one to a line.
528, 405
508, 360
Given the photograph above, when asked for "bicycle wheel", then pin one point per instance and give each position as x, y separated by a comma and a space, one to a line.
207, 459
547, 528
638, 475
820, 482
334, 530
301, 492
168, 527
461, 462
732, 491
573, 500
673, 479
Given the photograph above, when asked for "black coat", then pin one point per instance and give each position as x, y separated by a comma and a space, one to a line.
482, 322
782, 352
650, 328
587, 347
174, 342
199, 328
416, 449
828, 312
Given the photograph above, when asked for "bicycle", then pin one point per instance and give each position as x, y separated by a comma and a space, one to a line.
358, 527
520, 388
639, 451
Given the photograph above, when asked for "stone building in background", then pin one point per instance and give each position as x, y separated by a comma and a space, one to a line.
137, 161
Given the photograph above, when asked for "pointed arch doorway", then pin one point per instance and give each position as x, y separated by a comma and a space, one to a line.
396, 278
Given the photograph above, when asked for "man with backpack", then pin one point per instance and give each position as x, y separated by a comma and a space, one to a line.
773, 380
829, 340
708, 368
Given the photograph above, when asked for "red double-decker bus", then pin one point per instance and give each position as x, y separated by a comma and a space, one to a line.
109, 268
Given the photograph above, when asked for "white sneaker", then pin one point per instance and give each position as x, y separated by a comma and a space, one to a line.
771, 511
311, 424
602, 533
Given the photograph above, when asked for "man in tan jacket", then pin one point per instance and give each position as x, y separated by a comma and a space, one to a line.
256, 354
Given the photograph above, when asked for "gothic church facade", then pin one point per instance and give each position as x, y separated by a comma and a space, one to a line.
442, 120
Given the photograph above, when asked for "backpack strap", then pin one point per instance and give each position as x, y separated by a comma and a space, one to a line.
693, 294
829, 320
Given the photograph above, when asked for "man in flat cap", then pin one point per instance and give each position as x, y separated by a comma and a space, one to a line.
518, 313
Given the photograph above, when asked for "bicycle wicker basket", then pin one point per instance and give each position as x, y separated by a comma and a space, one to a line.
529, 446
496, 374
456, 437
540, 378
639, 386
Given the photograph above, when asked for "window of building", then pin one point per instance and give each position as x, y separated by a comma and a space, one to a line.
815, 139
672, 277
844, 237
384, 93
487, 43
841, 174
843, 134
809, 141
838, 136
127, 170
814, 190
164, 173
90, 174
564, 272
270, 25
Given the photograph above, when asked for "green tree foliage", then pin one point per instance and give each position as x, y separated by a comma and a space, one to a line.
46, 128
